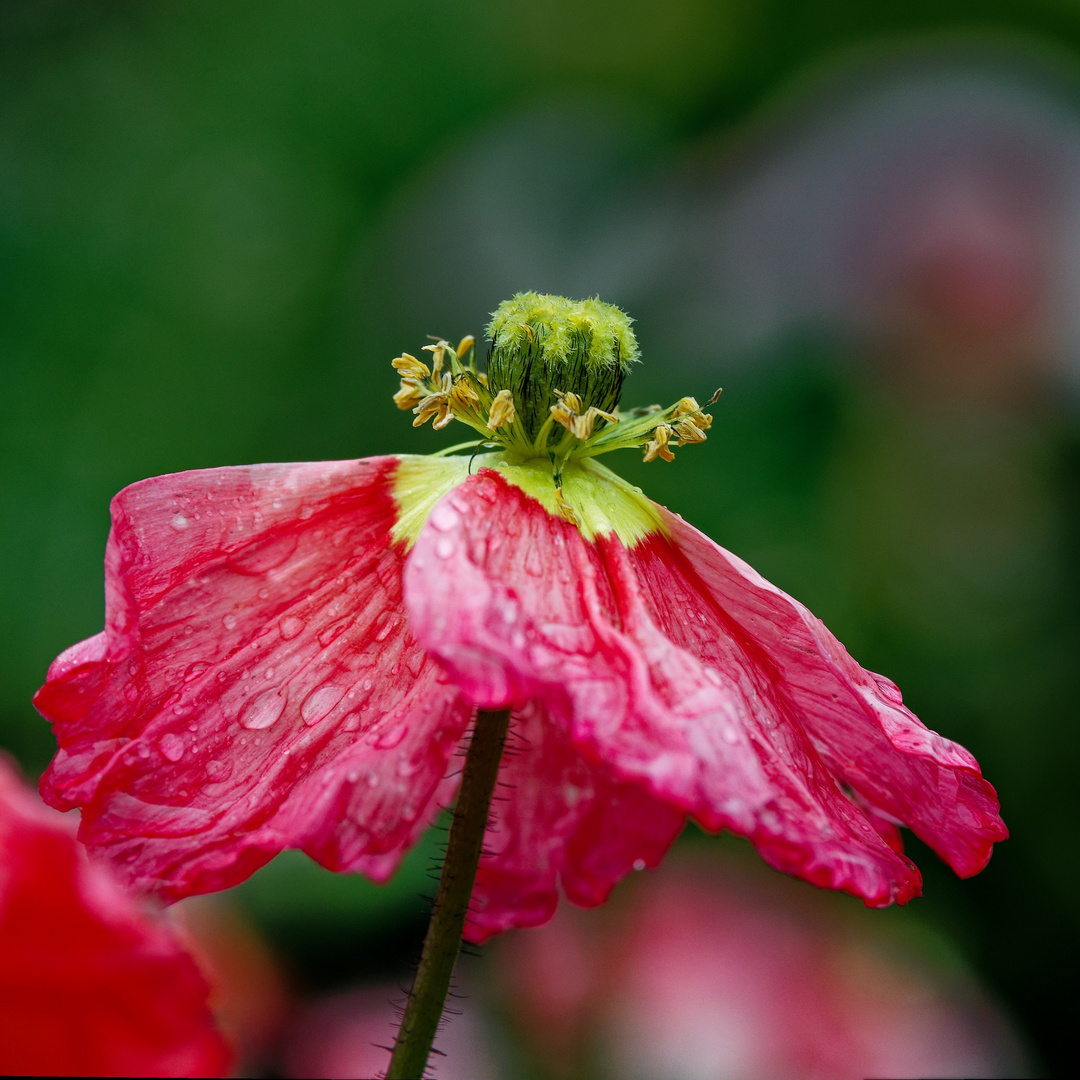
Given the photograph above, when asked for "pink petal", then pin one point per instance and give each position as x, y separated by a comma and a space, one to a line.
855, 719
90, 983
699, 699
256, 686
556, 818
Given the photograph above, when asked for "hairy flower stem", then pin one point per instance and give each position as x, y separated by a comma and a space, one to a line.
443, 942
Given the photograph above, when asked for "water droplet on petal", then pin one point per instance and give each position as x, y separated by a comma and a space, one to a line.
444, 518
218, 770
264, 593
171, 747
229, 622
445, 547
385, 625
290, 626
179, 522
639, 864
319, 703
264, 710
195, 670
390, 738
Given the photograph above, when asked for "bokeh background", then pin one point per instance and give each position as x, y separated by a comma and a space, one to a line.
219, 221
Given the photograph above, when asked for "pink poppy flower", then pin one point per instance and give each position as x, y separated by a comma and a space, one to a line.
90, 983
292, 655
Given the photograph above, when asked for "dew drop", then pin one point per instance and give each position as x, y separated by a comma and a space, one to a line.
143, 750
406, 767
390, 738
268, 673
171, 747
195, 670
319, 703
264, 593
131, 692
218, 770
290, 626
444, 518
179, 523
385, 625
229, 622
445, 547
639, 864
189, 630
264, 710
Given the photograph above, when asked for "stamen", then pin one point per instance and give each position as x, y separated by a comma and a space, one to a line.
410, 394
566, 511
502, 410
658, 445
462, 393
464, 345
410, 367
688, 431
438, 351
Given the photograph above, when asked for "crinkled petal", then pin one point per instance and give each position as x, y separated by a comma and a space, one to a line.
559, 819
903, 771
90, 983
256, 686
629, 649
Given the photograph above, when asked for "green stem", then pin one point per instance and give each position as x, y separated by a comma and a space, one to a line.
432, 983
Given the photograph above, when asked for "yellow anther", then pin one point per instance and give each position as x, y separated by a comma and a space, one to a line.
482, 379
658, 445
410, 394
436, 405
465, 344
438, 350
566, 410
410, 367
685, 406
688, 431
566, 511
463, 395
571, 401
502, 410
582, 426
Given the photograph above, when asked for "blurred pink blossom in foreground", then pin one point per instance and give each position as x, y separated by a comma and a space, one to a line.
713, 972
90, 982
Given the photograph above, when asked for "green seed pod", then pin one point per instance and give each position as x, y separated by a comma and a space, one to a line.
540, 344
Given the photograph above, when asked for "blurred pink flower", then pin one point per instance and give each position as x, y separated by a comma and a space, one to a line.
714, 973
348, 1034
90, 982
258, 686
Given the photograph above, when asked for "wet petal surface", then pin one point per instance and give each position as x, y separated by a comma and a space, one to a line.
256, 686
728, 705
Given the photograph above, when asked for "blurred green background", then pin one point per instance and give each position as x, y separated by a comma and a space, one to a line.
218, 222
